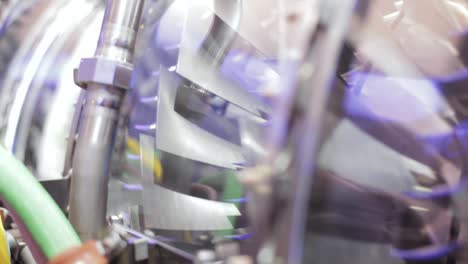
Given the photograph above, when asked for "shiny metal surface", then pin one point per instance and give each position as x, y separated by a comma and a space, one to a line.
221, 36
88, 193
206, 77
119, 29
202, 66
297, 131
174, 132
104, 71
98, 122
194, 213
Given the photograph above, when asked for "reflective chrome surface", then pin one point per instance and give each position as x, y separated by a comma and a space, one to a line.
98, 121
119, 29
290, 131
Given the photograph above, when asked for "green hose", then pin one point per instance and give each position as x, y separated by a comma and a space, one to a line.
45, 221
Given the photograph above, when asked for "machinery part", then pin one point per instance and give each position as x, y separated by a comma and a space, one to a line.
201, 65
119, 29
201, 69
89, 253
192, 214
26, 256
88, 189
44, 220
104, 71
221, 35
176, 131
297, 153
92, 251
98, 122
25, 235
379, 216
206, 134
19, 251
59, 190
205, 256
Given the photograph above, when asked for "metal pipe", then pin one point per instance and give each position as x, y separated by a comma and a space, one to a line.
88, 194
119, 30
98, 123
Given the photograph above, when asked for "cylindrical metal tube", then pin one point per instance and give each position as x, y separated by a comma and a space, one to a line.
119, 29
88, 195
98, 122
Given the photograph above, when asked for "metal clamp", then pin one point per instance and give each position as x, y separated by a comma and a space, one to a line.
103, 71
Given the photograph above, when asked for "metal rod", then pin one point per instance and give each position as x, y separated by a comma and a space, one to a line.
119, 29
98, 123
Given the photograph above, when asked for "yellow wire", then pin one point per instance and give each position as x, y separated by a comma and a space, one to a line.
4, 249
134, 147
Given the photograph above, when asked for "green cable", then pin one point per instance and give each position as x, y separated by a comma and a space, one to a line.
43, 218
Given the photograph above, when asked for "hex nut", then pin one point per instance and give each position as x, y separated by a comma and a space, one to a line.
104, 71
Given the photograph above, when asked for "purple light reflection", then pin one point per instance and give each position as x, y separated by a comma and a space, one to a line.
137, 235
131, 156
132, 187
438, 192
240, 237
148, 99
425, 253
248, 71
147, 128
402, 100
237, 200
